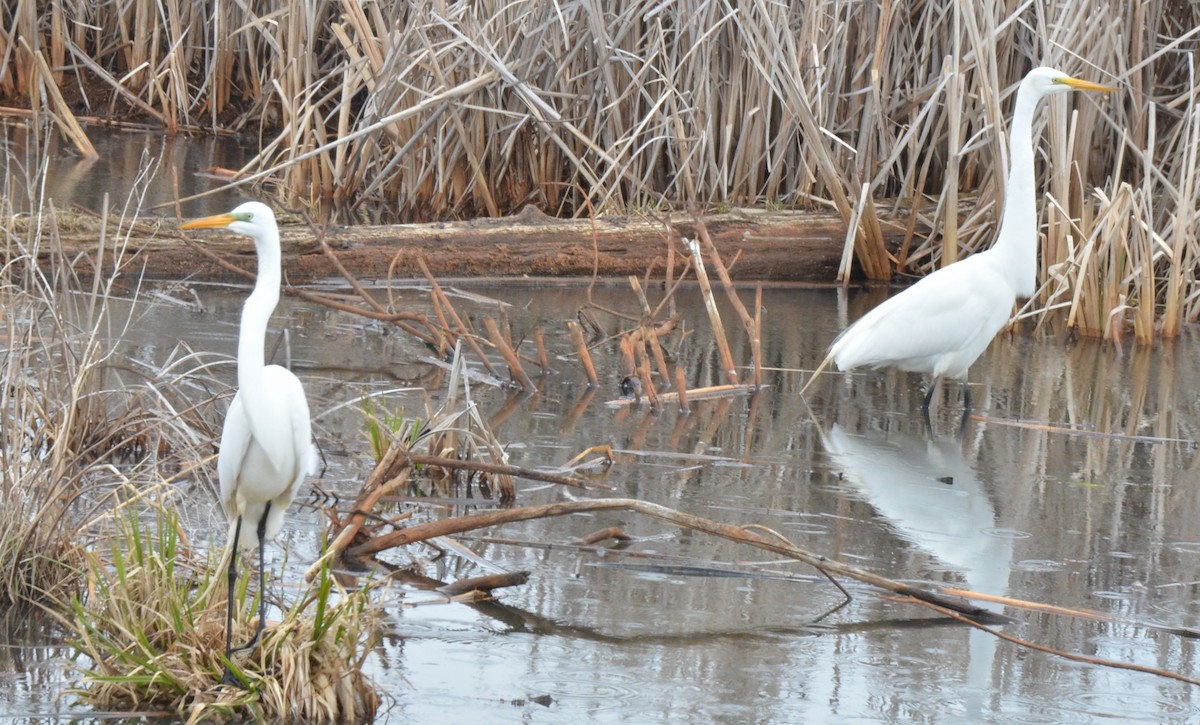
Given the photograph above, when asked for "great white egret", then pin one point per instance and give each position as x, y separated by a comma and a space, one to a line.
944, 322
266, 445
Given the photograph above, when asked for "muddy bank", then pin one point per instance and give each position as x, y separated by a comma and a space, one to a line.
775, 245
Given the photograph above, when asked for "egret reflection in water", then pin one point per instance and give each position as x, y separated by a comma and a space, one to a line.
929, 495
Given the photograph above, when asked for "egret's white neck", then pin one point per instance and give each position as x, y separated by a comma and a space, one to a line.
256, 313
1017, 240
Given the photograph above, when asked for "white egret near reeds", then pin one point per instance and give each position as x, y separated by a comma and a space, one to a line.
945, 321
266, 445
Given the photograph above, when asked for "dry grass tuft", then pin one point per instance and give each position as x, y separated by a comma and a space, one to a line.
76, 418
152, 627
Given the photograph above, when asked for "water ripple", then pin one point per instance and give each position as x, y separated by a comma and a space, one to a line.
603, 689
1128, 706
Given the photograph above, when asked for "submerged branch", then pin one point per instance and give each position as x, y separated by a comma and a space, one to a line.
502, 469
421, 532
1057, 652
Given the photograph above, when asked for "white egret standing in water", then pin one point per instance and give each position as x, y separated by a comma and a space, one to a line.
266, 444
945, 321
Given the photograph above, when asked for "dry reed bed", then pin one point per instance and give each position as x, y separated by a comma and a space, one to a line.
448, 110
77, 419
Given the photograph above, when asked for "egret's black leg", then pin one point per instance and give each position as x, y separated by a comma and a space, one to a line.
966, 416
228, 678
925, 405
929, 397
262, 580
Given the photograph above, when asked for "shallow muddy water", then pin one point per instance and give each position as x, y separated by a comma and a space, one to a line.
1101, 518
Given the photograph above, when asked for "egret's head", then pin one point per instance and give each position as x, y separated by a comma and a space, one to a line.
1048, 81
253, 219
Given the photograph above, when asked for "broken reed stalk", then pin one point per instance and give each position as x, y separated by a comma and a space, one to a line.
540, 343
681, 390
644, 374
503, 469
437, 296
776, 544
449, 339
581, 349
484, 584
627, 362
1189, 632
515, 369
648, 335
757, 342
714, 316
749, 323
60, 109
443, 303
816, 373
612, 532
867, 256
708, 393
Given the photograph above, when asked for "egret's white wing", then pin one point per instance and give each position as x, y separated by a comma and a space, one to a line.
274, 403
235, 442
954, 311
294, 417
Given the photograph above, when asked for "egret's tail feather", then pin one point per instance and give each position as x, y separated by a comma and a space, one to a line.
820, 369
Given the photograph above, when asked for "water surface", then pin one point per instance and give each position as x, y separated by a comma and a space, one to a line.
1100, 518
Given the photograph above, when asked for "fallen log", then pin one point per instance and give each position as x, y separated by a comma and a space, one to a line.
775, 245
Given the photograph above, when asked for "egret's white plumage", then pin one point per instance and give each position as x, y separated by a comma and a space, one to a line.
944, 322
266, 443
258, 459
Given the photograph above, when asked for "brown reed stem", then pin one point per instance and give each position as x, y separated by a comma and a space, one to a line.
442, 300
540, 343
714, 316
515, 369
749, 323
681, 390
581, 349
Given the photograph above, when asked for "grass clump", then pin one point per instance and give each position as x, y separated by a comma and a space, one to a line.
151, 626
383, 425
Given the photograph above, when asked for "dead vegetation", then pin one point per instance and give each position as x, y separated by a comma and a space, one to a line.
139, 592
422, 112
152, 628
